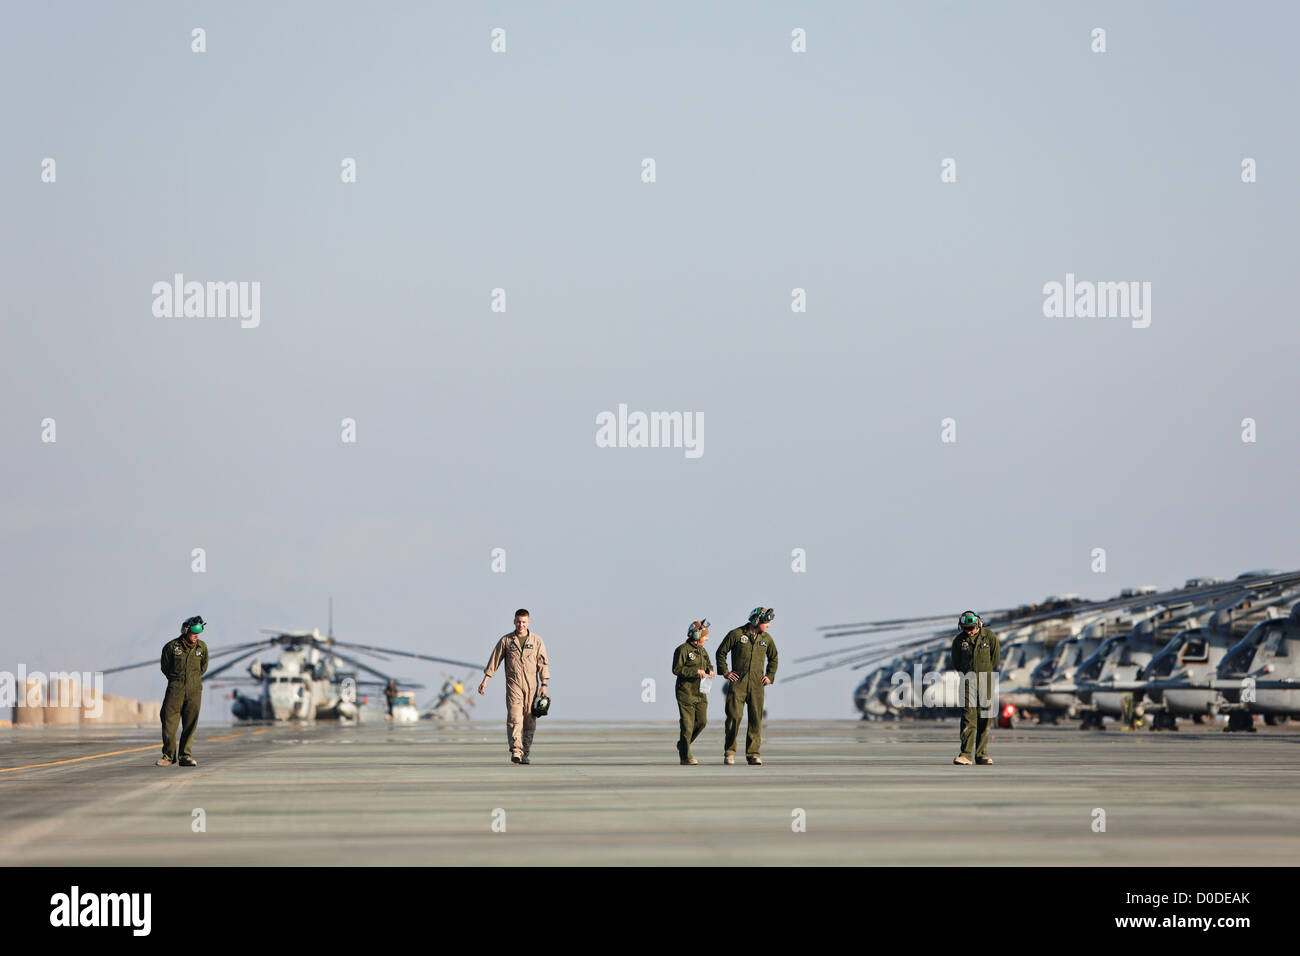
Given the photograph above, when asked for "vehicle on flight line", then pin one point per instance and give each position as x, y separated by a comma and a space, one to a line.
404, 710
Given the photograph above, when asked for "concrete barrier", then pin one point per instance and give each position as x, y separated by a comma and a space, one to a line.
31, 692
52, 706
59, 707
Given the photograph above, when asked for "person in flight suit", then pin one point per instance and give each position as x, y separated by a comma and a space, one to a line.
753, 667
184, 662
975, 650
690, 664
524, 655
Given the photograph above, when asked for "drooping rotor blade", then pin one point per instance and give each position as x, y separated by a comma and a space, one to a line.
211, 654
856, 664
900, 640
232, 662
895, 623
360, 665
423, 657
285, 632
1172, 599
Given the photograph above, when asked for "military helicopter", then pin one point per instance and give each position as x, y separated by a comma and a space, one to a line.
1261, 674
313, 679
1025, 648
1179, 678
452, 703
1055, 637
1106, 680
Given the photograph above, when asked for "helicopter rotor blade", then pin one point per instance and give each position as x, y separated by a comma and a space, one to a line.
231, 663
388, 650
211, 654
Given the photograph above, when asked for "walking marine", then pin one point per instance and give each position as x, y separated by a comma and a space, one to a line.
690, 664
524, 656
753, 667
975, 654
184, 662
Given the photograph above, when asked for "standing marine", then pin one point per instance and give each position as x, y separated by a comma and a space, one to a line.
753, 668
184, 662
527, 673
976, 656
691, 664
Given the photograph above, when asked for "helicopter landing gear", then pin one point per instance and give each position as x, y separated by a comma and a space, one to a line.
1239, 720
1163, 720
1092, 720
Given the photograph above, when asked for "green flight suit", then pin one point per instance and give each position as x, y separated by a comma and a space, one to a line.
979, 655
184, 668
753, 657
692, 706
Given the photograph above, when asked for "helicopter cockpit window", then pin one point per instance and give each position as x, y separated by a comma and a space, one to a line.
1196, 649
1276, 643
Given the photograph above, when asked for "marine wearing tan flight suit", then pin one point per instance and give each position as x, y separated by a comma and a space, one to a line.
524, 655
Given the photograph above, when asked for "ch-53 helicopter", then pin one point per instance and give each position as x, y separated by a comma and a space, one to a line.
1261, 673
312, 679
1045, 644
1165, 638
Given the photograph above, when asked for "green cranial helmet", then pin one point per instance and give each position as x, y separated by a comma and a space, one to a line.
193, 625
969, 619
761, 615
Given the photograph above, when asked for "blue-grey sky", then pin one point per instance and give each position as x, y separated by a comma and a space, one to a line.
522, 170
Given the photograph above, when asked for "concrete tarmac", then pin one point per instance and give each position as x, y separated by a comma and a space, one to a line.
614, 794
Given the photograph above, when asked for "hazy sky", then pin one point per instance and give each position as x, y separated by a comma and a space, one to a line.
523, 170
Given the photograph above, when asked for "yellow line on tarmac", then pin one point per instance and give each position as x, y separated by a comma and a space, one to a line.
55, 763
227, 736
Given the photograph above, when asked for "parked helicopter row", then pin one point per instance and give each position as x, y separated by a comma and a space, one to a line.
1211, 648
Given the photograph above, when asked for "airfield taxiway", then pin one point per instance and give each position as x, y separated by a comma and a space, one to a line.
614, 794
